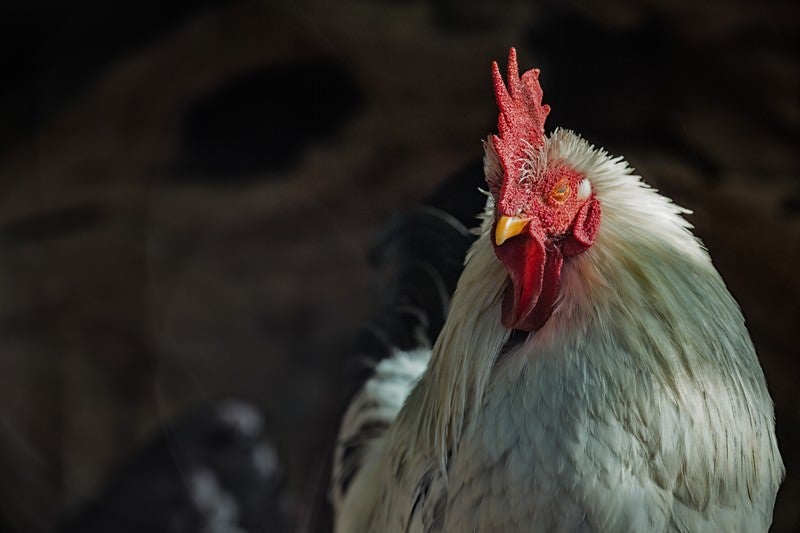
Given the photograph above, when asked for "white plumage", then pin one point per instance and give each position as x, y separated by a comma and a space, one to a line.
639, 406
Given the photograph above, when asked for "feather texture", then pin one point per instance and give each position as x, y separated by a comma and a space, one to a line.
639, 406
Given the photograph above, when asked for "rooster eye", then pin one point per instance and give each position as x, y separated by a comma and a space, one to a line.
560, 192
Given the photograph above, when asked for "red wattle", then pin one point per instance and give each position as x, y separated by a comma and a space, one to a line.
534, 271
524, 258
551, 281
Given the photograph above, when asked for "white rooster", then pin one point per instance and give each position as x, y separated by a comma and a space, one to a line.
593, 375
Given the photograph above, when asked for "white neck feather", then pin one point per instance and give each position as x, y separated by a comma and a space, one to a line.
644, 249
464, 353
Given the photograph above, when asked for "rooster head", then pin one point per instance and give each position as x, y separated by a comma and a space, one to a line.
545, 211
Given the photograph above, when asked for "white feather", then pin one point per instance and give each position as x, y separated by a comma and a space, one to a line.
639, 406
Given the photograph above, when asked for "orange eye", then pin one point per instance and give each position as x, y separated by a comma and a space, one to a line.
561, 192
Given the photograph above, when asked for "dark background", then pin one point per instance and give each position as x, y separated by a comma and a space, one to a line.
188, 191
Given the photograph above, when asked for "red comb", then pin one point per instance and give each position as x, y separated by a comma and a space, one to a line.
522, 115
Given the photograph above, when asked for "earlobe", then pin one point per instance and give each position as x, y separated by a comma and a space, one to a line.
584, 230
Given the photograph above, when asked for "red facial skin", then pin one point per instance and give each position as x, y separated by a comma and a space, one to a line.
561, 226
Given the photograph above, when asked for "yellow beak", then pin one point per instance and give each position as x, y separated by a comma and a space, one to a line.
508, 227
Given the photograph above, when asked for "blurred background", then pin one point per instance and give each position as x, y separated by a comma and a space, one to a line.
188, 191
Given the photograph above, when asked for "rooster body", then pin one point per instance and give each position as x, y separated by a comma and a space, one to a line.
635, 402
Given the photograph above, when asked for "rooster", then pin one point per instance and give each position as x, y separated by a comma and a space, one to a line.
593, 373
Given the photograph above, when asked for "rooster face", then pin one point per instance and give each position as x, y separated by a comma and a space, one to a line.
545, 211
